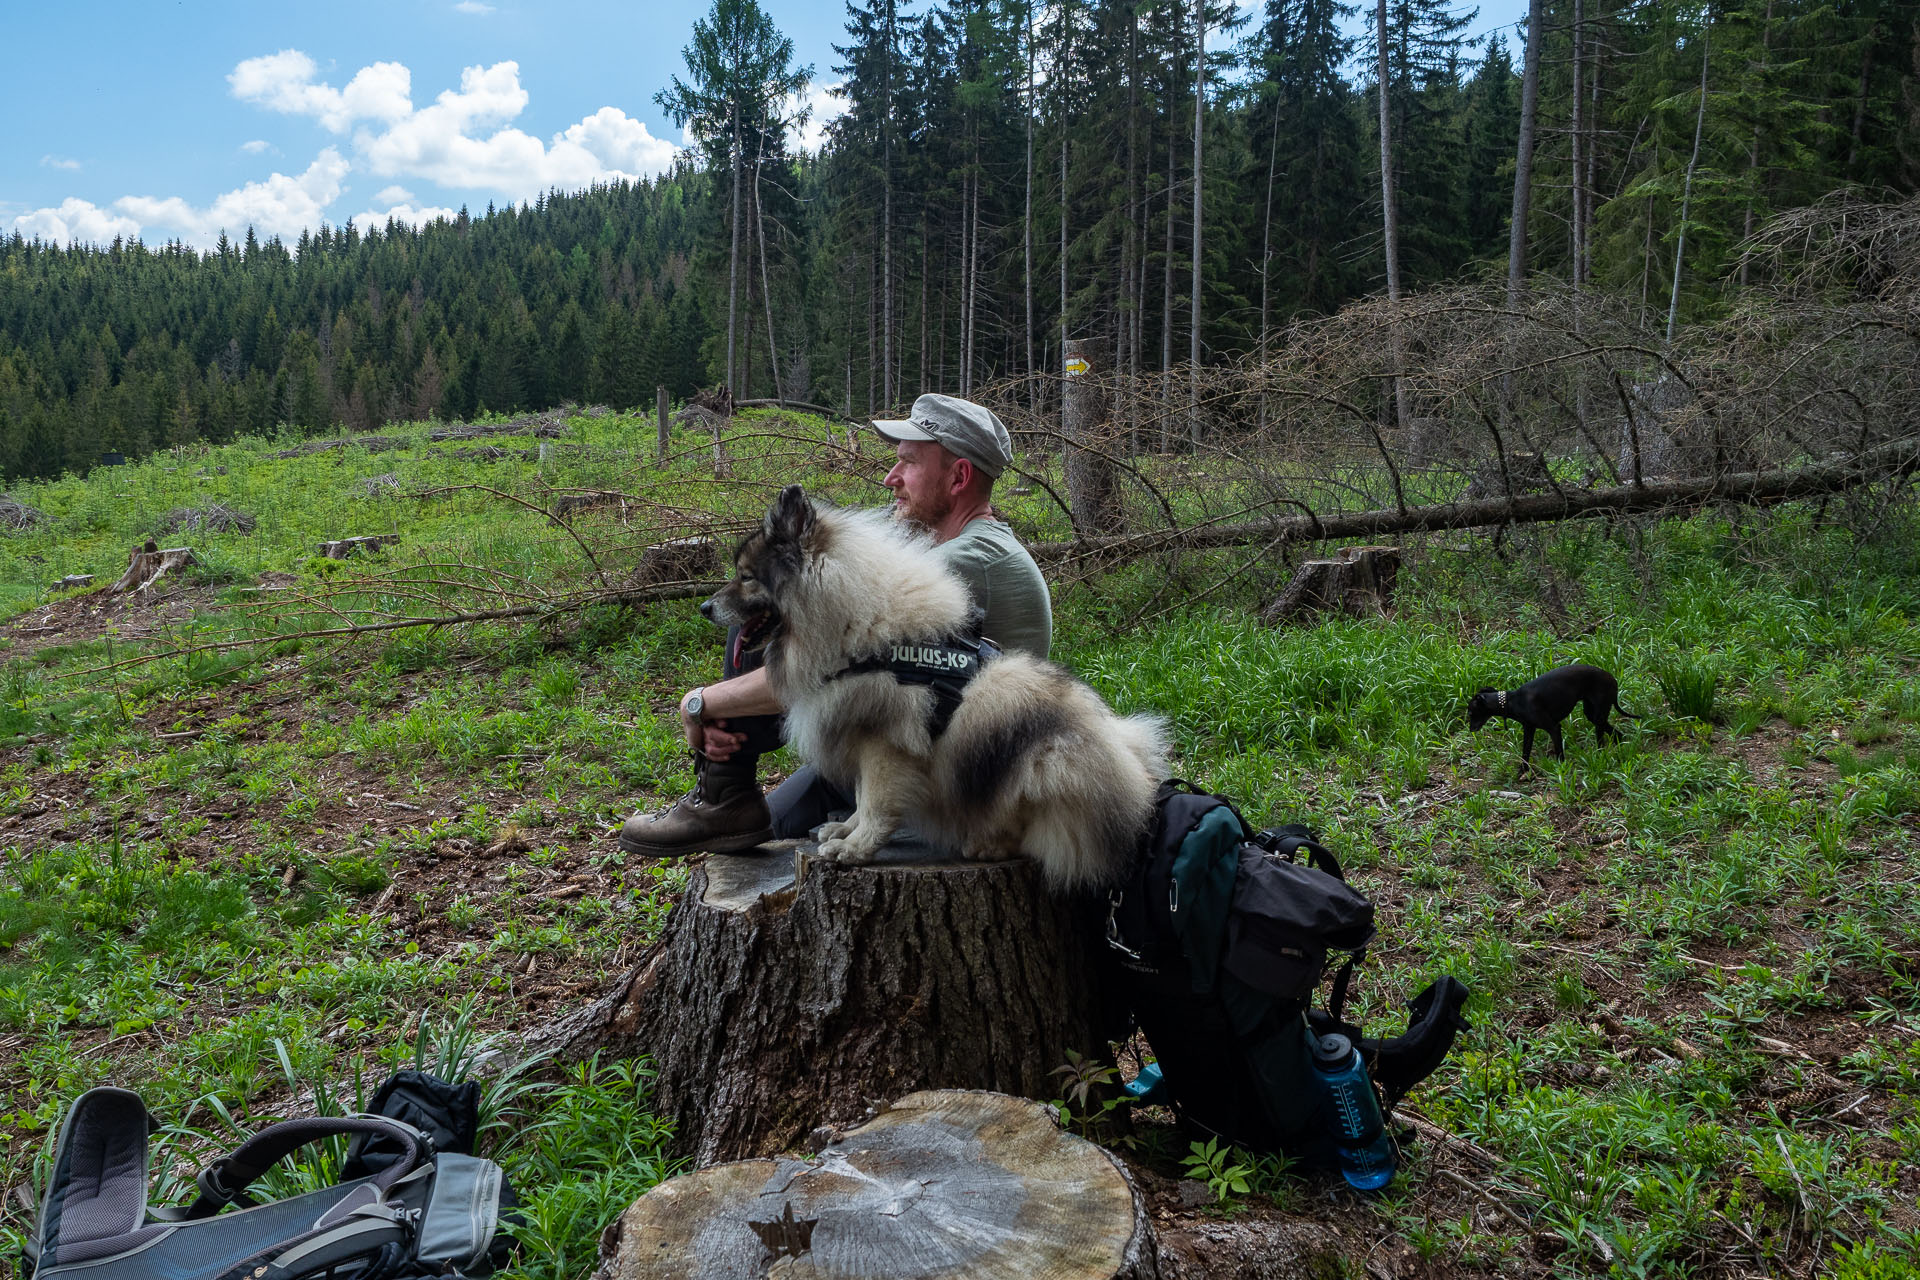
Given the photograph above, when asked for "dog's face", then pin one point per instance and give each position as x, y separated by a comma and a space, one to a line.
1481, 706
766, 565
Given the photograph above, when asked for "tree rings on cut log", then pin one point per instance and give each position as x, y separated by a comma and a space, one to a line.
943, 1183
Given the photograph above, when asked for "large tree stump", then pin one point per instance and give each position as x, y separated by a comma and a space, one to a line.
1357, 581
942, 1183
147, 564
690, 559
787, 992
341, 548
1093, 490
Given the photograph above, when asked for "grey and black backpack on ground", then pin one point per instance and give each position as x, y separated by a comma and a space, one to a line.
1221, 936
421, 1212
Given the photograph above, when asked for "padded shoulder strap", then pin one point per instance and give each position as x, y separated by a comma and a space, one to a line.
225, 1181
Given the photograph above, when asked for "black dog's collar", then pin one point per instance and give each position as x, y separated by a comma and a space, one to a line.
1500, 699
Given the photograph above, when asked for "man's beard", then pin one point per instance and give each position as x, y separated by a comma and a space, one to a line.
924, 516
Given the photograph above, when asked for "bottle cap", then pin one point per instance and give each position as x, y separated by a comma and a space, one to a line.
1332, 1051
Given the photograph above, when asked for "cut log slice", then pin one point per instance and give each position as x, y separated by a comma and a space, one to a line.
787, 992
943, 1183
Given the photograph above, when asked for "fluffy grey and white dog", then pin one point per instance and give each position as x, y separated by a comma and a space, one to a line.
1032, 760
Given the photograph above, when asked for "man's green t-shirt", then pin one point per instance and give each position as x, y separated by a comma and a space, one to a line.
1005, 582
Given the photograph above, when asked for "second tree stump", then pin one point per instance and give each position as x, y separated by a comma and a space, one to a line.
787, 993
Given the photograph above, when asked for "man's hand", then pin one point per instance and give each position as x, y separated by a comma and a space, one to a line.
709, 738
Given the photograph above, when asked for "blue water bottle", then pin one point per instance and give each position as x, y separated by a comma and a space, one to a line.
1366, 1150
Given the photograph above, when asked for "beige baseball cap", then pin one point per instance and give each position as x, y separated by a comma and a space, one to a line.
963, 428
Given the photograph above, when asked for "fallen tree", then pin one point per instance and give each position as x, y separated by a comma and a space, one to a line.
1895, 461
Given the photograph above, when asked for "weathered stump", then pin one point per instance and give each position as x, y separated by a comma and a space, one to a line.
585, 500
942, 1183
786, 992
1525, 471
1357, 581
690, 559
147, 564
341, 548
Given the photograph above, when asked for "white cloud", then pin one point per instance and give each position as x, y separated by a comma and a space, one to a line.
59, 162
404, 211
822, 106
449, 142
281, 205
74, 220
472, 6
284, 82
463, 140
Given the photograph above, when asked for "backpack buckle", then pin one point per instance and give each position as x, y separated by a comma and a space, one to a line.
1114, 939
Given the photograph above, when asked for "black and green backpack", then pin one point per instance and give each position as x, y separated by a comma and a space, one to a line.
1221, 935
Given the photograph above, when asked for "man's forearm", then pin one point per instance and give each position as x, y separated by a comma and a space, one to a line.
747, 694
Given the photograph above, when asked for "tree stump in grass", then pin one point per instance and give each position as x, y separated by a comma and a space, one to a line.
942, 1183
341, 548
1357, 581
147, 564
787, 992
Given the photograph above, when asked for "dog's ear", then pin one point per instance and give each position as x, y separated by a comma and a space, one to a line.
1486, 688
792, 515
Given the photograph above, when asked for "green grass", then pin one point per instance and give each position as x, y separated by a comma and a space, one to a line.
232, 876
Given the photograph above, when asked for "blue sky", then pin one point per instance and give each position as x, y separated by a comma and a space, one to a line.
180, 118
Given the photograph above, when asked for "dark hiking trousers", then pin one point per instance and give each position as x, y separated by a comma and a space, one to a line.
805, 799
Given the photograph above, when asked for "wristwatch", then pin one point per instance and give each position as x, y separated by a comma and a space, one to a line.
693, 703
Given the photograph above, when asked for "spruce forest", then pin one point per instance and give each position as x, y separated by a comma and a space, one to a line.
1003, 174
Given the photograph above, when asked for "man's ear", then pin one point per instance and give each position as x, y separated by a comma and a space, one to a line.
960, 479
792, 515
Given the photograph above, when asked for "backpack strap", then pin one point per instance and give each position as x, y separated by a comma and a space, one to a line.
225, 1181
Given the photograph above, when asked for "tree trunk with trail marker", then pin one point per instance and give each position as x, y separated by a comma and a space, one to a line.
787, 992
941, 1183
1092, 492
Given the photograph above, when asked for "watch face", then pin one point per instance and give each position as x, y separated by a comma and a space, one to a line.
694, 703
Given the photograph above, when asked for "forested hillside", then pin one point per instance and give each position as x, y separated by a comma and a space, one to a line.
1003, 174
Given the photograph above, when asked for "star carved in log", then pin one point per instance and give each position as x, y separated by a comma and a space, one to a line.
785, 1236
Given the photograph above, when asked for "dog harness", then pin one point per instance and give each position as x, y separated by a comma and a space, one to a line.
944, 666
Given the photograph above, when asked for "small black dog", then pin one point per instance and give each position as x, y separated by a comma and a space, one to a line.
1543, 703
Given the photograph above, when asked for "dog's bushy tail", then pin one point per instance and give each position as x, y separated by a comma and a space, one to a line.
1090, 797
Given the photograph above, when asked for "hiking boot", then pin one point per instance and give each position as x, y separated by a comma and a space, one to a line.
724, 813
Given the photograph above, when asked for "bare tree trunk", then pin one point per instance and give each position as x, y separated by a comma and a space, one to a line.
1578, 139
1686, 195
1064, 71
766, 281
1389, 219
1027, 276
1753, 148
1166, 303
1266, 251
1199, 131
1523, 159
1860, 103
733, 256
888, 390
1092, 494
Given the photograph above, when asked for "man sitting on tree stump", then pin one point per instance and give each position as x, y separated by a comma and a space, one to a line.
950, 451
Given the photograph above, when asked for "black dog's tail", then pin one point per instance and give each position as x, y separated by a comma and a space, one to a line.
1622, 711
